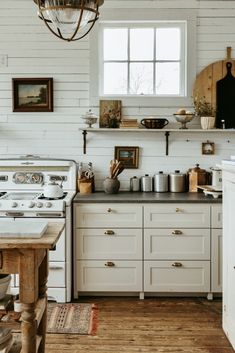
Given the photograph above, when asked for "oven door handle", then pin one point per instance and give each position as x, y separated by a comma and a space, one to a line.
14, 214
48, 215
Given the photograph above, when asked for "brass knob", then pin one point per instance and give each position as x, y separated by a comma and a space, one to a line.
177, 264
109, 232
109, 210
177, 209
176, 232
109, 264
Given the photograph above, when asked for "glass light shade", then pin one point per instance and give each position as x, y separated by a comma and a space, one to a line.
69, 19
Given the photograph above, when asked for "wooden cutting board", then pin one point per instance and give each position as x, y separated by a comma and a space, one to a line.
206, 80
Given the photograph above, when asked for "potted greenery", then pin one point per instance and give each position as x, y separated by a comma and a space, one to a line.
4, 283
205, 111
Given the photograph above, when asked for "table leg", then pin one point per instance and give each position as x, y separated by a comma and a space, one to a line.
43, 274
28, 329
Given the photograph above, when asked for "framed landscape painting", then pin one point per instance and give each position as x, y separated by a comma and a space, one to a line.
32, 94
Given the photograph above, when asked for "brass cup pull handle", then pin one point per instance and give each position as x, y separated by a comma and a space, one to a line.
109, 232
177, 210
177, 264
109, 210
177, 232
109, 264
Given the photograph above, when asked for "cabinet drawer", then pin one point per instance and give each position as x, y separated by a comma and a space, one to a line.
216, 216
108, 215
95, 276
177, 215
162, 276
185, 244
94, 244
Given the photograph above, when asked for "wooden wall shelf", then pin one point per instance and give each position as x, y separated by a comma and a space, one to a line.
165, 131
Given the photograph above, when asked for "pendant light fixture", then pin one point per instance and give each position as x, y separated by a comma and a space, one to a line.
69, 20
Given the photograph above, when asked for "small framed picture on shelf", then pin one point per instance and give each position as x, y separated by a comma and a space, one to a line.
208, 148
128, 155
110, 113
32, 94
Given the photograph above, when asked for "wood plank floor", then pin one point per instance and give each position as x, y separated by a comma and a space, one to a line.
153, 325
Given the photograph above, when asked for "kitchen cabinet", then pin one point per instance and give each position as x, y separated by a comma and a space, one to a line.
229, 252
185, 248
108, 248
216, 249
147, 248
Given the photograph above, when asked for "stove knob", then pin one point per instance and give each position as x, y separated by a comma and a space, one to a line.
48, 204
39, 204
14, 204
31, 205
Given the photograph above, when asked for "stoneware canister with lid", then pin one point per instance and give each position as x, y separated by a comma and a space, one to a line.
161, 182
177, 182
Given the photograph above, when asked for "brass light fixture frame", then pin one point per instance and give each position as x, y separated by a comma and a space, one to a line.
82, 7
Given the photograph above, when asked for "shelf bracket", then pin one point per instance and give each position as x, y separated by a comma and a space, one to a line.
84, 132
167, 134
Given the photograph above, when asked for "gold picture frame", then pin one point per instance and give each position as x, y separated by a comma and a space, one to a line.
208, 148
128, 155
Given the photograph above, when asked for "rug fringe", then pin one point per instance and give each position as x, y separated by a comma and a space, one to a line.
94, 320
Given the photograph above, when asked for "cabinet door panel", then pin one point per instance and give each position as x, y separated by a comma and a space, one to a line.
108, 215
216, 260
177, 215
97, 276
162, 276
185, 244
94, 244
216, 216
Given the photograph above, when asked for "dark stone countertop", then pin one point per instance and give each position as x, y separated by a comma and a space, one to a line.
146, 197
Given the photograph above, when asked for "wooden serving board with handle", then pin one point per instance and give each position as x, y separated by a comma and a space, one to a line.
206, 81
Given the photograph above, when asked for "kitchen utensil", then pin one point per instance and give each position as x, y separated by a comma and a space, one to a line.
225, 97
89, 174
177, 182
146, 183
154, 123
215, 194
115, 168
197, 176
161, 182
216, 178
134, 184
183, 119
53, 190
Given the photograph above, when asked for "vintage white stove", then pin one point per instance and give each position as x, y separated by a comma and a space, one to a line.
21, 196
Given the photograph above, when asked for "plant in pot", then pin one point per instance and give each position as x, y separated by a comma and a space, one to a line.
205, 111
4, 283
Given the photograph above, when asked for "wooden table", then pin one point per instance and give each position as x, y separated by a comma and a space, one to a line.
29, 258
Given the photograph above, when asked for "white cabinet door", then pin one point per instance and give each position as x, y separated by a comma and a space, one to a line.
177, 276
184, 244
109, 276
115, 243
216, 216
229, 257
177, 215
108, 215
216, 260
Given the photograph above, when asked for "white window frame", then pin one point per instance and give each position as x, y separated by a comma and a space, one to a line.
120, 17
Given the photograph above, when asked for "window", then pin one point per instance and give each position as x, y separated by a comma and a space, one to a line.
147, 59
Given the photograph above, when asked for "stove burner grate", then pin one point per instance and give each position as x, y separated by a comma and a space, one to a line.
42, 197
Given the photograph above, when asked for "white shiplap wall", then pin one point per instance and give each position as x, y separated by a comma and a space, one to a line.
33, 52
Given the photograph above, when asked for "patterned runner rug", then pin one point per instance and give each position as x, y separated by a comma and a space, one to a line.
72, 318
